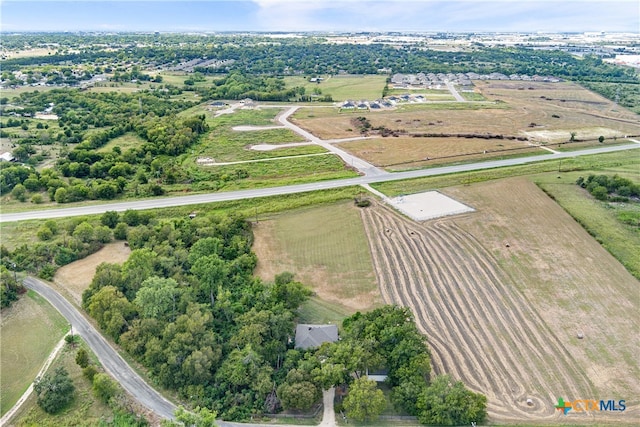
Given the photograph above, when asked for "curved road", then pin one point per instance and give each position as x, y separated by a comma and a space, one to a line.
109, 358
299, 188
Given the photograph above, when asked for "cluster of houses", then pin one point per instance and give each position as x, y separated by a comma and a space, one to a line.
437, 80
189, 66
380, 104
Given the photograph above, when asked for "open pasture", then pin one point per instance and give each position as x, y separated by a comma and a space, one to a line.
125, 142
544, 113
73, 279
31, 328
325, 246
406, 152
343, 87
504, 318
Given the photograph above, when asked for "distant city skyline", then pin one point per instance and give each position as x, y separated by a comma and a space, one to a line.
321, 15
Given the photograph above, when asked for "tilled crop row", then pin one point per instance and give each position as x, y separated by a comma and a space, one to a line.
480, 328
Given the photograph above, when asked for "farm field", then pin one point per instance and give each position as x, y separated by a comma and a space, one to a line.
74, 278
23, 350
620, 161
327, 249
406, 152
601, 219
343, 87
502, 319
484, 328
544, 113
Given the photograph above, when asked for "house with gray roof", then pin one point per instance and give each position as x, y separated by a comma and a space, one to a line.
311, 336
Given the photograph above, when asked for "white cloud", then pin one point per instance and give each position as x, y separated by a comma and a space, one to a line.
429, 15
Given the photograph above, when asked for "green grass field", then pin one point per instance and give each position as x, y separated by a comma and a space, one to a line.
287, 171
600, 219
125, 142
472, 96
327, 249
31, 328
224, 144
343, 87
85, 409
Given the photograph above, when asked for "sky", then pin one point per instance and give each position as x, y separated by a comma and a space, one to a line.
321, 15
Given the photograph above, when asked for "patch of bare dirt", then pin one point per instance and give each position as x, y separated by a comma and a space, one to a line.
76, 277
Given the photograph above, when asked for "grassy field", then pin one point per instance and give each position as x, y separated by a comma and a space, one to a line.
600, 219
472, 96
224, 144
125, 142
31, 328
327, 249
544, 113
343, 87
405, 152
85, 409
566, 275
286, 171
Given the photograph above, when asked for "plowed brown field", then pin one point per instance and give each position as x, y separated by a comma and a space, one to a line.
480, 326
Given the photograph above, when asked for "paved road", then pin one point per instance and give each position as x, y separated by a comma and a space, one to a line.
109, 358
454, 92
299, 188
355, 162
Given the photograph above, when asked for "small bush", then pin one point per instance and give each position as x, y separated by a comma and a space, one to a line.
89, 372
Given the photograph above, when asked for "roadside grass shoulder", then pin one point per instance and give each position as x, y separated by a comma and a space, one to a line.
85, 408
583, 163
31, 328
277, 172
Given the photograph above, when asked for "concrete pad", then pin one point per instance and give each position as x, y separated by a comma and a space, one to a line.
428, 205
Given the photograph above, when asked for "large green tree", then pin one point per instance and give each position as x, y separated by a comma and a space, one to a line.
157, 297
365, 401
447, 402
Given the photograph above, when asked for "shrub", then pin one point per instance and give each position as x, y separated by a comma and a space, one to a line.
90, 372
600, 192
104, 387
54, 391
120, 232
82, 358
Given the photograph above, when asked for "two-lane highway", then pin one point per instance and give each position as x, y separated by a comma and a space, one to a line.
109, 358
299, 188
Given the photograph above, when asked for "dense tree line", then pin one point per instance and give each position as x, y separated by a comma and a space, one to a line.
185, 304
91, 121
257, 55
610, 188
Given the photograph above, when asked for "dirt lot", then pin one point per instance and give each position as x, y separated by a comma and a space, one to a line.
74, 278
404, 152
505, 319
545, 113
